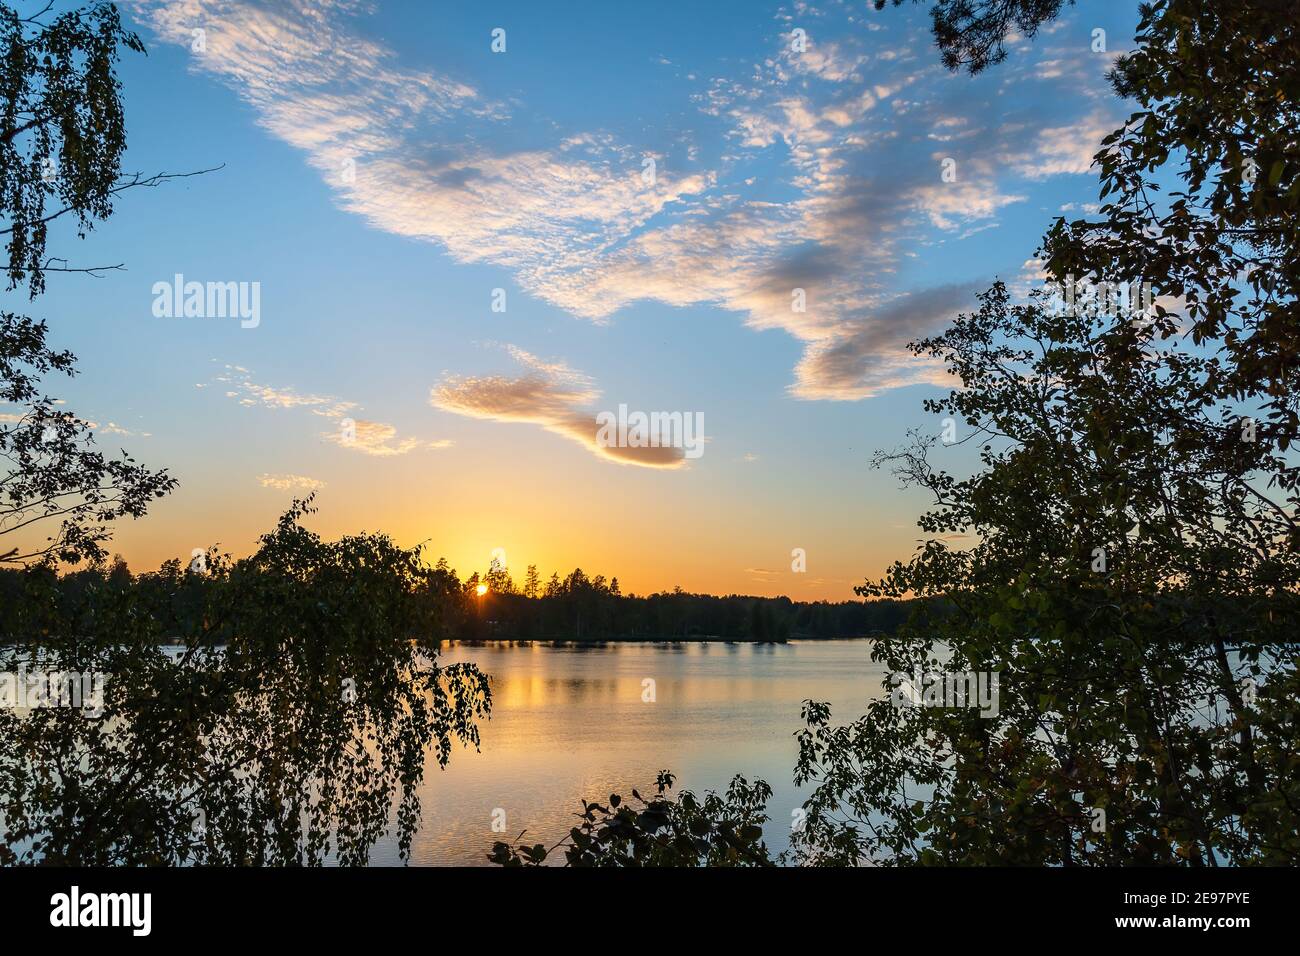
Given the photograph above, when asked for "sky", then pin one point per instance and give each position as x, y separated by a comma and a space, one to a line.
471, 228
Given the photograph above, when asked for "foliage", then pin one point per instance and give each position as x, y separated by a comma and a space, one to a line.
1129, 688
1218, 86
54, 474
1135, 575
297, 712
598, 615
724, 830
62, 135
579, 607
62, 130
973, 33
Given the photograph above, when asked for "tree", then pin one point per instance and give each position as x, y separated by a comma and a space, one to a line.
300, 709
1216, 87
62, 131
55, 475
724, 830
1134, 580
531, 582
972, 34
759, 621
1136, 601
1215, 84
62, 135
61, 127
498, 578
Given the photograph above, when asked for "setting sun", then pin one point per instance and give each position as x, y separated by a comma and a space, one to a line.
481, 589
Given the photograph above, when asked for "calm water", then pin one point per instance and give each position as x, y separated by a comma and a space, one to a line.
569, 722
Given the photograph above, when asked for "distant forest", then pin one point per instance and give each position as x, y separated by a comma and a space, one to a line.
582, 608
572, 608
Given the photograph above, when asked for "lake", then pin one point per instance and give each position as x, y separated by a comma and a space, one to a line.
570, 721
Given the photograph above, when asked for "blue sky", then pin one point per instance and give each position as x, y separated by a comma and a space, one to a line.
385, 171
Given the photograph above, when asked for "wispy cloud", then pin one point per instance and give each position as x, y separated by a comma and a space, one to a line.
859, 122
1066, 149
550, 395
290, 482
241, 387
377, 438
113, 428
355, 434
104, 428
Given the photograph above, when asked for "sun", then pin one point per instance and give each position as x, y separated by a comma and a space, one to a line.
481, 589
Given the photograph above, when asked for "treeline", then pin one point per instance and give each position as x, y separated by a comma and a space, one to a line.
482, 607
582, 608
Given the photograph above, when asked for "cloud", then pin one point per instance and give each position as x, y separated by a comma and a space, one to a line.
1069, 149
109, 428
875, 357
112, 428
377, 438
826, 181
241, 387
827, 60
550, 395
950, 205
355, 434
290, 482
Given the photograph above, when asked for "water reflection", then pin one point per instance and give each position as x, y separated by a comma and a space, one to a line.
572, 721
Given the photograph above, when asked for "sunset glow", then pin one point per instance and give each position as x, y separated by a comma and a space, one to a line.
478, 287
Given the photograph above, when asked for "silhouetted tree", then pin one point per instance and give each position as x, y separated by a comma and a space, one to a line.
55, 478
1136, 575
62, 131
972, 34
719, 830
62, 136
300, 709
